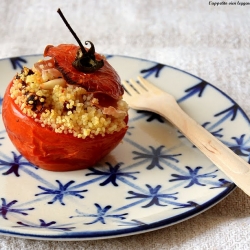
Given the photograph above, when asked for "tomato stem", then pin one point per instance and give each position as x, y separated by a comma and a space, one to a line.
72, 31
85, 61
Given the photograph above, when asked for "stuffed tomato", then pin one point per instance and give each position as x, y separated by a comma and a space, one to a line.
61, 116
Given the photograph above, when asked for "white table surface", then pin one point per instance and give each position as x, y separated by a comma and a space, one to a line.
212, 42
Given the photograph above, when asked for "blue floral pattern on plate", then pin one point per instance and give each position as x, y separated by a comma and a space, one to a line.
154, 178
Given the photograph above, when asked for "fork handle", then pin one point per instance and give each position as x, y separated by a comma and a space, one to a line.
236, 168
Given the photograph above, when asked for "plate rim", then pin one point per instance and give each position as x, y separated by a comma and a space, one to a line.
132, 231
75, 236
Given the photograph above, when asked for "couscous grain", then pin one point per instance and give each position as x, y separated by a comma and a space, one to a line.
64, 108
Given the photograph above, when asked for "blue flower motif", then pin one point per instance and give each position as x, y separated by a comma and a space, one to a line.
112, 174
17, 62
101, 215
153, 195
155, 69
1, 138
155, 157
187, 205
194, 90
132, 223
15, 165
151, 116
242, 146
6, 208
129, 130
43, 224
61, 192
193, 177
229, 112
215, 133
223, 184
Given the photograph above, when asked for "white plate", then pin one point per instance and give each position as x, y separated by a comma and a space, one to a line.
154, 179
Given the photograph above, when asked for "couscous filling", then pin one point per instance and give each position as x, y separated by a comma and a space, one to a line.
62, 107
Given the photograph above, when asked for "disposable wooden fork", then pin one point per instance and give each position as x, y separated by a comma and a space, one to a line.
146, 96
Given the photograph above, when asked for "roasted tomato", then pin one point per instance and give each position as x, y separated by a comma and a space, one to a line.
53, 151
62, 143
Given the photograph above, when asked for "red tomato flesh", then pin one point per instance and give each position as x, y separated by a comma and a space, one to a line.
54, 151
105, 80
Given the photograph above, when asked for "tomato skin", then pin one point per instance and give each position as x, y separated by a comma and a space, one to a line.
105, 80
53, 151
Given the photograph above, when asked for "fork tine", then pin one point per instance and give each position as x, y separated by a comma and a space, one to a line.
144, 82
147, 85
141, 86
138, 86
128, 88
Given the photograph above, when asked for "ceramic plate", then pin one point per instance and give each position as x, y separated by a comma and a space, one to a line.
153, 179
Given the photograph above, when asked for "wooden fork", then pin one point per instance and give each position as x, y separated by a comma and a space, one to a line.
146, 96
